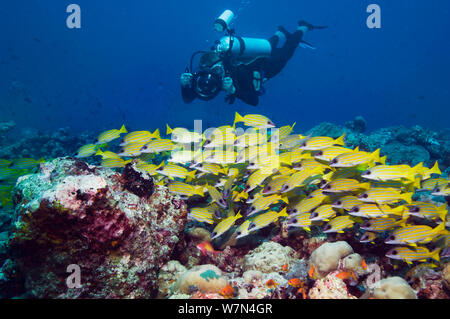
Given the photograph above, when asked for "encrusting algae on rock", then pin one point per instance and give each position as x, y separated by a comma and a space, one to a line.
265, 200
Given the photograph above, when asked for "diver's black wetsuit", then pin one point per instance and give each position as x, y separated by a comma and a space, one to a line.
242, 75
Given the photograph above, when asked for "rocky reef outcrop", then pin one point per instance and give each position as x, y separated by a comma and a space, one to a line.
116, 229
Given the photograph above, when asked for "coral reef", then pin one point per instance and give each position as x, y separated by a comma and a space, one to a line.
392, 288
203, 278
269, 257
326, 258
404, 145
73, 213
330, 287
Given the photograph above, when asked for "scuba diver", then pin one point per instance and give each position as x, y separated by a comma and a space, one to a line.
240, 66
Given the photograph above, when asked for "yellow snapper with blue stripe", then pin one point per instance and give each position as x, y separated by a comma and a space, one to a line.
110, 135
428, 210
321, 142
26, 163
368, 210
140, 137
224, 225
106, 154
253, 120
131, 150
175, 171
264, 220
220, 157
183, 189
427, 172
409, 255
392, 172
183, 135
256, 179
368, 237
381, 224
310, 164
183, 156
329, 153
323, 212
344, 185
275, 184
385, 195
441, 191
250, 139
242, 230
86, 150
158, 146
209, 168
114, 162
292, 141
4, 162
216, 196
300, 221
351, 159
297, 179
149, 168
338, 224
220, 139
347, 202
306, 205
415, 234
264, 202
284, 131
432, 183
201, 214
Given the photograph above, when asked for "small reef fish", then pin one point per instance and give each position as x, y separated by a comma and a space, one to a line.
321, 142
392, 172
106, 154
344, 185
338, 224
216, 196
300, 221
409, 255
380, 225
201, 214
329, 153
256, 179
220, 139
131, 150
306, 205
285, 268
229, 292
275, 184
114, 162
184, 136
26, 163
432, 183
266, 219
385, 195
352, 159
427, 172
428, 210
345, 275
4, 162
140, 137
110, 135
158, 146
253, 120
323, 212
224, 225
284, 131
205, 247
271, 284
295, 282
368, 237
86, 150
250, 139
264, 202
184, 189
242, 230
368, 210
175, 171
415, 234
297, 179
441, 191
347, 202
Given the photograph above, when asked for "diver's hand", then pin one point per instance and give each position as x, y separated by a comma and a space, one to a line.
186, 79
227, 85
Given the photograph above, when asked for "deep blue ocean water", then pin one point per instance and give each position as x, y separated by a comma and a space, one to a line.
124, 64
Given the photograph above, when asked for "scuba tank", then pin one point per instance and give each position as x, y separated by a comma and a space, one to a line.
244, 50
240, 50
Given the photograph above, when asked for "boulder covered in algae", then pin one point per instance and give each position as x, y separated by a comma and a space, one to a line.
119, 228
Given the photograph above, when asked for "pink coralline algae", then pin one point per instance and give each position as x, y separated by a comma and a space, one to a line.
118, 231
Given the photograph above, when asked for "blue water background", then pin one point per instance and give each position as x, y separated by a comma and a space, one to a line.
124, 64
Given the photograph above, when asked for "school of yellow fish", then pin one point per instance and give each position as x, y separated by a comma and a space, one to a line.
257, 175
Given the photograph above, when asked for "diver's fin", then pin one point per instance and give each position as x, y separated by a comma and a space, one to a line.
306, 45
